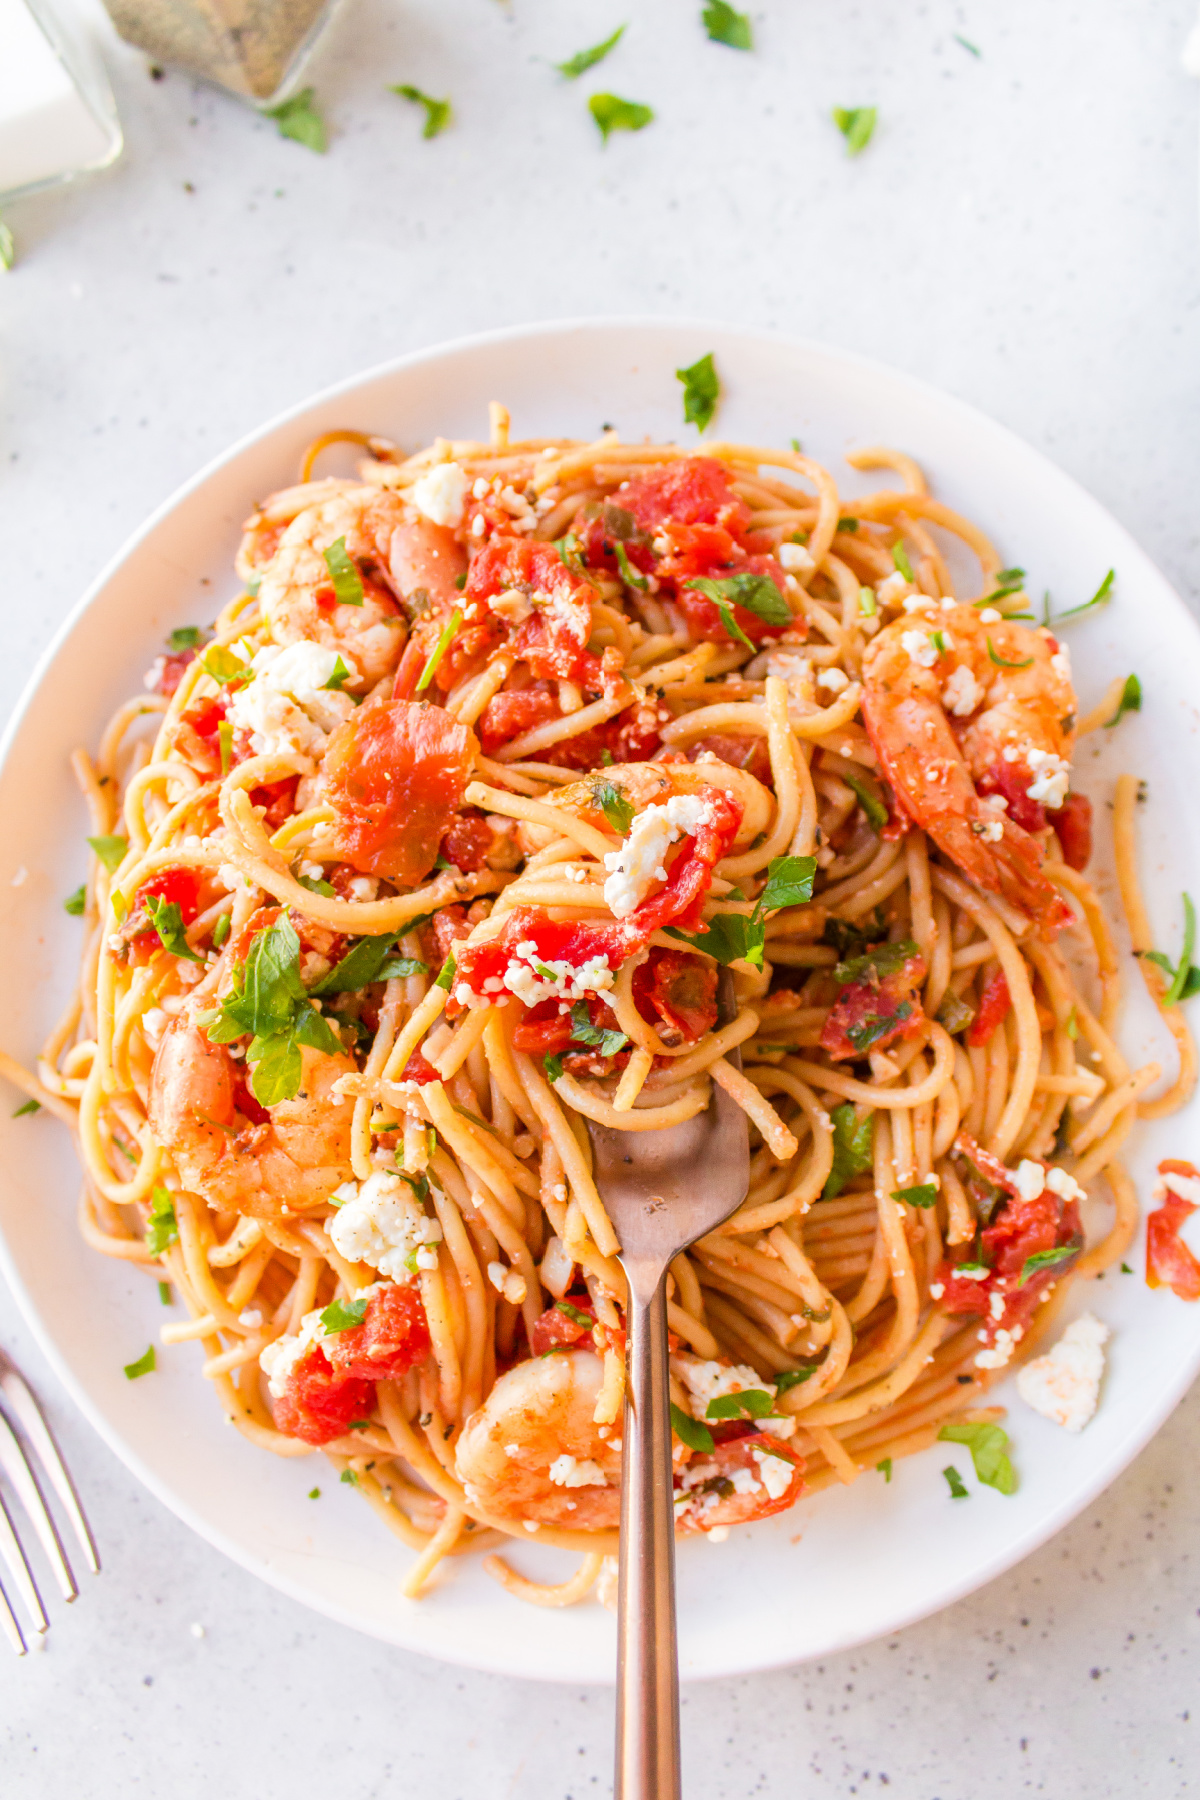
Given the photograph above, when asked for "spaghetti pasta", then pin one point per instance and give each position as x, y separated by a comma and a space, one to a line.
432, 854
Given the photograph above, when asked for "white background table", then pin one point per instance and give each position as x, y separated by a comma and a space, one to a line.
1023, 231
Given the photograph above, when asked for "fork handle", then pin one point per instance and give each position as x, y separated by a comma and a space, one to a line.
647, 1763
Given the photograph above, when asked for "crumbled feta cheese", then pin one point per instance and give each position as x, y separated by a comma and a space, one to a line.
1000, 1353
795, 558
992, 832
250, 1317
363, 887
512, 606
1051, 776
1060, 662
383, 1225
278, 1360
517, 507
920, 646
1065, 1385
478, 525
496, 1272
707, 1381
1184, 1187
1064, 1185
989, 616
1029, 1179
775, 1471
440, 494
154, 1023
573, 1472
232, 879
916, 602
936, 1289
965, 1274
961, 693
833, 680
716, 1534
892, 590
533, 980
640, 862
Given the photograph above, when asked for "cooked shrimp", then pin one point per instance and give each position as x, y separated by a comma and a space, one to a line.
267, 523
292, 1161
973, 720
297, 596
533, 1450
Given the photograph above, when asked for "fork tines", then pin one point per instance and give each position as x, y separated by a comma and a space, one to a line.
16, 1465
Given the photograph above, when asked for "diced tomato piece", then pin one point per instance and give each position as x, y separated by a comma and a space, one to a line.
749, 753
467, 841
317, 1404
873, 1011
995, 1003
1073, 823
167, 672
419, 1069
689, 877
711, 552
542, 1030
178, 886
508, 715
573, 941
278, 798
395, 775
408, 669
677, 992
1011, 780
693, 490
448, 927
633, 736
1169, 1262
712, 1497
205, 718
555, 1329
392, 1339
553, 642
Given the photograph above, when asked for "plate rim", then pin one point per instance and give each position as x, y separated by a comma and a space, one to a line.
1169, 1395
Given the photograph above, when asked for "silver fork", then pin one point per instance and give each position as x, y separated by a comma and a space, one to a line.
663, 1190
20, 1406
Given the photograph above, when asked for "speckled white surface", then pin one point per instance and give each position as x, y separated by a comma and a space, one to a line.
1022, 231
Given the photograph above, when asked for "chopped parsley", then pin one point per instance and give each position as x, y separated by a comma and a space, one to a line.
167, 919
732, 629
583, 60
630, 574
938, 640
988, 1446
184, 637
967, 44
268, 1002
570, 553
164, 1292
701, 392
314, 1493
226, 669
790, 1378
901, 559
847, 525
584, 1032
1008, 583
1101, 597
449, 633
853, 1147
553, 1066
751, 1403
1046, 1259
343, 573
866, 791
365, 963
1183, 977
1072, 1025
611, 113
876, 964
954, 1014
575, 1313
868, 606
690, 1431
438, 113
857, 126
75, 903
220, 931
145, 1365
162, 1227
1002, 662
1125, 1269
225, 741
1130, 701
615, 807
317, 885
343, 1315
732, 937
924, 1194
447, 972
30, 1106
350, 1477
299, 119
110, 850
8, 249
875, 1026
755, 594
726, 26
955, 1483
885, 1468
338, 678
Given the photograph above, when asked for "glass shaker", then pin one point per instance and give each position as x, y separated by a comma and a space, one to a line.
254, 48
57, 114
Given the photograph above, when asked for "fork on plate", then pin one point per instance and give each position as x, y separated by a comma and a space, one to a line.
23, 1429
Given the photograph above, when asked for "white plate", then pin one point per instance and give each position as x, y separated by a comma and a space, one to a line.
851, 1564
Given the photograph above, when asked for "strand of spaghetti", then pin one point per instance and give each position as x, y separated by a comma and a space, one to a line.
471, 1148
647, 1118
109, 1243
871, 1096
719, 1043
784, 780
537, 1593
467, 1034
14, 1072
741, 1089
1105, 1148
120, 1193
1081, 889
1116, 1241
885, 505
557, 1131
838, 1458
542, 737
873, 1398
503, 1070
881, 456
419, 1022
1024, 1012
442, 1541
633, 1078
537, 812
1142, 939
1106, 709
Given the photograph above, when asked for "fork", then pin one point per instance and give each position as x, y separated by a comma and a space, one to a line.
662, 1190
14, 1461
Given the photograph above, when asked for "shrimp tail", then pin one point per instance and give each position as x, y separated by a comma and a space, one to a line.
1010, 867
